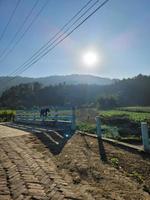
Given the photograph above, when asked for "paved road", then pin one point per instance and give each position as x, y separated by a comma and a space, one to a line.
9, 132
24, 173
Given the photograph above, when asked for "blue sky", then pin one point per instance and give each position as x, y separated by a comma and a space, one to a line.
119, 32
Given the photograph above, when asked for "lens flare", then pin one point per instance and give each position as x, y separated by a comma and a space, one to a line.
90, 58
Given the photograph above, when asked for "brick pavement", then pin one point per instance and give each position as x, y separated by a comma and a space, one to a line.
25, 174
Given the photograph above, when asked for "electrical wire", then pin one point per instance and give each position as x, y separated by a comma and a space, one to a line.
9, 20
53, 37
62, 39
20, 28
27, 29
45, 45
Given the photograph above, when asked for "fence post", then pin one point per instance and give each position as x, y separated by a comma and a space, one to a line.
98, 126
73, 125
34, 118
145, 136
56, 115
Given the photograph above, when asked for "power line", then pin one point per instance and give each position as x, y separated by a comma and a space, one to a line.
9, 20
20, 28
61, 40
27, 29
60, 31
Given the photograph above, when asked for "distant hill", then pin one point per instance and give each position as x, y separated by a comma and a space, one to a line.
55, 80
127, 92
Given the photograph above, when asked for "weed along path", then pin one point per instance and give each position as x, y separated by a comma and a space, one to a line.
29, 170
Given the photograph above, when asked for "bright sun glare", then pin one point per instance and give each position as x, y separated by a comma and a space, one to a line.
90, 59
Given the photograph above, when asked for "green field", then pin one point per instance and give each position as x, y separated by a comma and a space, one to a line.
122, 124
145, 109
133, 116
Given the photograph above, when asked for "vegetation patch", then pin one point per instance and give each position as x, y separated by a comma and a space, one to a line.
114, 162
87, 127
137, 176
143, 109
7, 115
126, 115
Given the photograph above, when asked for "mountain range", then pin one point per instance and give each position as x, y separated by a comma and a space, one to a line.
74, 79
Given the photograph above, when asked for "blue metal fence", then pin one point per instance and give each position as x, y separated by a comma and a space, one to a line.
57, 118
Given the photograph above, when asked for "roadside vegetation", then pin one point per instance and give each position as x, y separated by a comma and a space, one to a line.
7, 115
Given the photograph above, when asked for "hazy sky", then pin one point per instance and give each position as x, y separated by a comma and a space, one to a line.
119, 33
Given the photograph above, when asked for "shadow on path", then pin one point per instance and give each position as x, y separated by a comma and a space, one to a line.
101, 148
53, 139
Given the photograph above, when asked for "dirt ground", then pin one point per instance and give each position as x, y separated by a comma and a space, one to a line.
124, 176
82, 170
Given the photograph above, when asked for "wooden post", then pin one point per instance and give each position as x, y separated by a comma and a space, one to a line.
73, 125
98, 127
145, 136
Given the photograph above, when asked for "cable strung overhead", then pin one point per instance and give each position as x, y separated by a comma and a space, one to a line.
27, 29
49, 43
9, 20
53, 37
58, 40
19, 29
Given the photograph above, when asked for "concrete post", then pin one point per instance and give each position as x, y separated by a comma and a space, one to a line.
56, 115
145, 136
98, 126
73, 125
34, 118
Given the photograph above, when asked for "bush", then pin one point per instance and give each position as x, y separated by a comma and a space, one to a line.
7, 115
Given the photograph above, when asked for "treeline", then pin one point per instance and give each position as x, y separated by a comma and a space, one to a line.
127, 92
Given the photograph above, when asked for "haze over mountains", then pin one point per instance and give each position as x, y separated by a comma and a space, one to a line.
127, 92
55, 80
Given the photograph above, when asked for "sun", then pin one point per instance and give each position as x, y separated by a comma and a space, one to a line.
90, 59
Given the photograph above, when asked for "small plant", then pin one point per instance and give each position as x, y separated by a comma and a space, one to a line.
137, 176
114, 162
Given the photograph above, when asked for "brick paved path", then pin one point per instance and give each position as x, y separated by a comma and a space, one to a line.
25, 174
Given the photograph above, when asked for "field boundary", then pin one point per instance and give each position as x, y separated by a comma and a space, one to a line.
123, 145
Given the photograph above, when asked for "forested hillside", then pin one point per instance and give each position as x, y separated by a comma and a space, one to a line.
127, 92
75, 79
